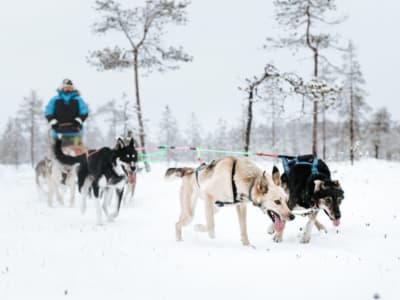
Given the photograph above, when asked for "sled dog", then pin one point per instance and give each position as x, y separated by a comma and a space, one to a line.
229, 181
56, 177
42, 170
308, 181
97, 164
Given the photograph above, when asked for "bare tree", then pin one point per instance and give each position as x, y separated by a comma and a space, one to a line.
143, 28
314, 89
169, 132
251, 90
272, 76
30, 114
301, 20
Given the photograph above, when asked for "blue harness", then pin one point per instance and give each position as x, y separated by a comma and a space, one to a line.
295, 161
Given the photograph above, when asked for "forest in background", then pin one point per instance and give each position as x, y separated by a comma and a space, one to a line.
326, 113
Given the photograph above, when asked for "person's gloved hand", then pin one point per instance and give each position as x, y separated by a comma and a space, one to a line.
53, 123
78, 122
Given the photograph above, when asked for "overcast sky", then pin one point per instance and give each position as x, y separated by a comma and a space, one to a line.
44, 41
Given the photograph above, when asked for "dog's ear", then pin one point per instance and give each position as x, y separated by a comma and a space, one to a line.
131, 143
120, 144
318, 185
336, 183
276, 176
262, 185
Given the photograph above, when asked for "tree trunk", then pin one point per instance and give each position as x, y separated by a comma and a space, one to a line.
315, 110
273, 125
351, 125
323, 130
351, 128
32, 136
249, 121
314, 49
139, 109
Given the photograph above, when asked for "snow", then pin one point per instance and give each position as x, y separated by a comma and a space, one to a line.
57, 253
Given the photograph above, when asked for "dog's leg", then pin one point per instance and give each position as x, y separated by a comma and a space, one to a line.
85, 193
108, 194
72, 188
307, 232
186, 215
119, 193
312, 220
318, 224
241, 210
49, 191
125, 196
209, 206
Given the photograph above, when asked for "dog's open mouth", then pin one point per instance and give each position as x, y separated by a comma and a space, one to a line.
336, 222
278, 224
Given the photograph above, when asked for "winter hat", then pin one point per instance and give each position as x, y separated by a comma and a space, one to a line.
67, 82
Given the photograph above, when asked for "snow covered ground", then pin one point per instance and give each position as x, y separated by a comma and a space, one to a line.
57, 253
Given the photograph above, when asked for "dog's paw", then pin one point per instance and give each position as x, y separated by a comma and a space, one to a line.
211, 234
305, 239
277, 238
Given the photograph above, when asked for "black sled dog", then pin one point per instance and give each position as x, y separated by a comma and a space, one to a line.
308, 181
96, 164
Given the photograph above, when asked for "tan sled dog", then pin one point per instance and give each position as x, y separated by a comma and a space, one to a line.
229, 181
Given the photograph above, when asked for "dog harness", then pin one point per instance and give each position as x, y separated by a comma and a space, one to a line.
286, 161
198, 169
234, 191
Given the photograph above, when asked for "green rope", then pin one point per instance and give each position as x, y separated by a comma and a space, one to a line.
158, 155
224, 151
153, 156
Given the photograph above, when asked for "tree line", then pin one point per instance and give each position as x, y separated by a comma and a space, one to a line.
332, 118
25, 138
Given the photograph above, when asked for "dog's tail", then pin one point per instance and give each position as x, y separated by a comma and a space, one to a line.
174, 173
66, 159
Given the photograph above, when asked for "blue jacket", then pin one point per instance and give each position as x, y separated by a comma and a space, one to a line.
64, 108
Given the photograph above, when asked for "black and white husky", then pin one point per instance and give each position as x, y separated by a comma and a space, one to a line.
97, 164
308, 181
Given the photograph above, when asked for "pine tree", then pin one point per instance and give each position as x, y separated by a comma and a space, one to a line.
12, 138
169, 133
30, 116
380, 129
143, 28
354, 96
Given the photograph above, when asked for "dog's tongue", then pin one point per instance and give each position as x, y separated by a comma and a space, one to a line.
336, 222
278, 225
131, 179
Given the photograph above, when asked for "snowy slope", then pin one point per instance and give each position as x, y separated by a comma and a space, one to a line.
57, 253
